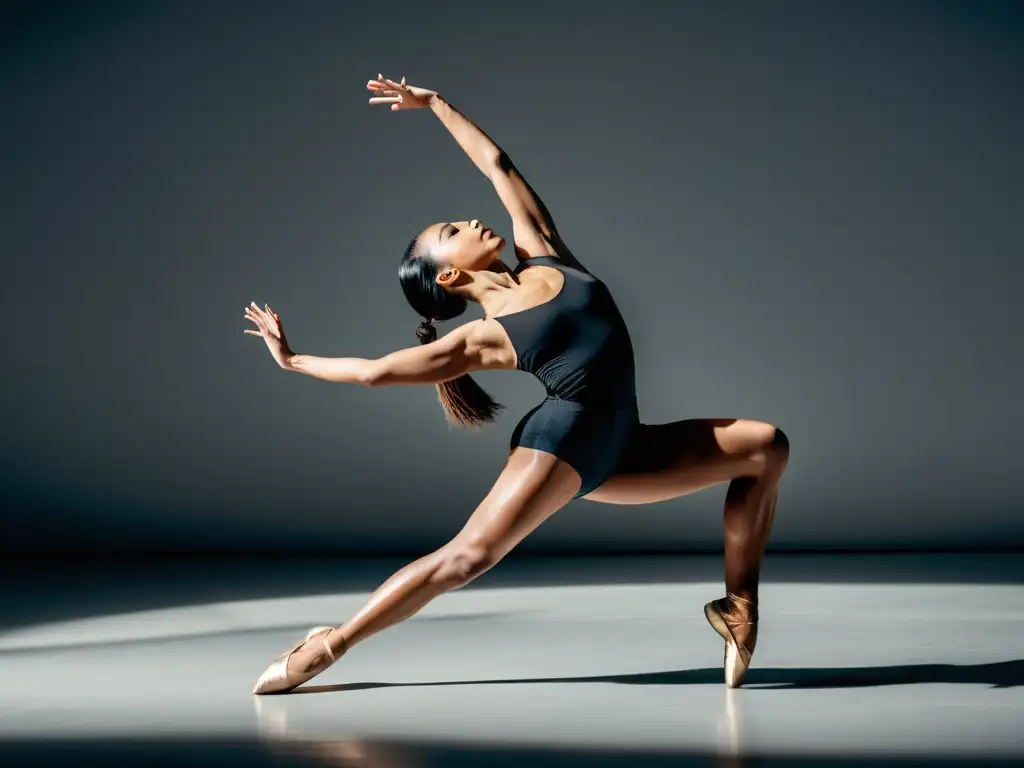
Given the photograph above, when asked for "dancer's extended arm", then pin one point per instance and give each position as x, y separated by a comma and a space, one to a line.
451, 356
533, 228
466, 349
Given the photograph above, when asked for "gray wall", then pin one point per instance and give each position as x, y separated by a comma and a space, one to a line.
805, 211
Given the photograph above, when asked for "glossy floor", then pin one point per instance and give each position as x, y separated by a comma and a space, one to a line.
893, 657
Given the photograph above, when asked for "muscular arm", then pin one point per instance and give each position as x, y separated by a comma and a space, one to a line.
478, 145
532, 226
465, 349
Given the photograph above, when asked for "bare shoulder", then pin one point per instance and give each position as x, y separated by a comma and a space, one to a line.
488, 344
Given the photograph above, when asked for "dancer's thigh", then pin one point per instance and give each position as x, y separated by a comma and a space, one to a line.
664, 461
533, 485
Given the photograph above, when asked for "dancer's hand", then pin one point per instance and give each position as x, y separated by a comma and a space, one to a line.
272, 331
399, 95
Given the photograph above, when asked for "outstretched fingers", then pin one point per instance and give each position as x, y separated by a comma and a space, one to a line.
386, 91
259, 328
255, 319
265, 320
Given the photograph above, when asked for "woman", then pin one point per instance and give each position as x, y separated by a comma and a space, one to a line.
552, 318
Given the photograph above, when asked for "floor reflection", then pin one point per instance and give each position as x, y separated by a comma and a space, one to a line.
729, 724
285, 737
351, 753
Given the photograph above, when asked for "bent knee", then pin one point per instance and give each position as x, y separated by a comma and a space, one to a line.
461, 563
769, 446
780, 442
777, 448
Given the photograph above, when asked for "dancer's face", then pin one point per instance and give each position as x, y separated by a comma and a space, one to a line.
465, 245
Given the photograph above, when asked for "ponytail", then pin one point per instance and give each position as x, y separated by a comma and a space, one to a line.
464, 402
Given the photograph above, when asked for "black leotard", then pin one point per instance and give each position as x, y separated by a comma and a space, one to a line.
578, 346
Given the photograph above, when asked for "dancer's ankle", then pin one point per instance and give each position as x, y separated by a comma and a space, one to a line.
742, 604
336, 640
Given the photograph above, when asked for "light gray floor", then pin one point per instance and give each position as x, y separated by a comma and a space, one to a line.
892, 656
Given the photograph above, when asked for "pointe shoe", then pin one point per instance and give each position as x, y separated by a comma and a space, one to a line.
737, 657
275, 679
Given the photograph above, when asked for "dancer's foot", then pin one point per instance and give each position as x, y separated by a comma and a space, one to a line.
735, 619
321, 647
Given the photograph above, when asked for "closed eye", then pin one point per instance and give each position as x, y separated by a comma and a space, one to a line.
452, 229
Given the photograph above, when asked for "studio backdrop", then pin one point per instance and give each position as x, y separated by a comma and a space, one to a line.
808, 213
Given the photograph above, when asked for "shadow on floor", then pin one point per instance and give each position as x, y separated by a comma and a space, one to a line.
1002, 674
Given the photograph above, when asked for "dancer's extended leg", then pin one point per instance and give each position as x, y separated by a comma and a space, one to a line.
533, 485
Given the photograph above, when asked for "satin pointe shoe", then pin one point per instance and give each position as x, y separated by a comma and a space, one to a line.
737, 656
276, 678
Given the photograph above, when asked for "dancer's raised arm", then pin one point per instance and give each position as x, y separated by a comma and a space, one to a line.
467, 348
533, 228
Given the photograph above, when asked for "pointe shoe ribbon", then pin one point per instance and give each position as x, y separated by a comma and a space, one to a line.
737, 656
275, 679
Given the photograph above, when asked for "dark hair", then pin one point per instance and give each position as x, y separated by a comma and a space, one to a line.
465, 403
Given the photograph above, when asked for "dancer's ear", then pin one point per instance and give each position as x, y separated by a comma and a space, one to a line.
446, 277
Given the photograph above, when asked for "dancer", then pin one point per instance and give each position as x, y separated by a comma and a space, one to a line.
552, 318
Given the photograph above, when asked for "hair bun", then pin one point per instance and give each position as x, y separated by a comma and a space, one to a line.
426, 332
